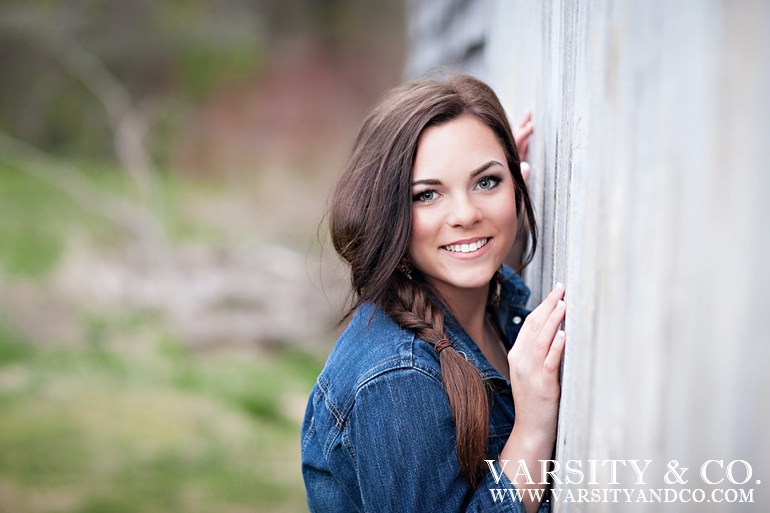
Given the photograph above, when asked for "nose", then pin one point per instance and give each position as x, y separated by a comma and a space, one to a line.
463, 213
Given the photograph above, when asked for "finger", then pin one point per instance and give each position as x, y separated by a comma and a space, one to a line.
548, 332
526, 118
525, 170
552, 361
523, 148
554, 296
521, 135
533, 325
537, 317
525, 130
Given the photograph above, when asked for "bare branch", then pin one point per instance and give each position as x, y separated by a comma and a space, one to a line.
129, 124
98, 79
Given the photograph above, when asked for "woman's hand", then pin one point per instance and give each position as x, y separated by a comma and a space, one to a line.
534, 368
521, 132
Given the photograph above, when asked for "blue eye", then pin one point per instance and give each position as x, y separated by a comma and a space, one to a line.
488, 182
425, 196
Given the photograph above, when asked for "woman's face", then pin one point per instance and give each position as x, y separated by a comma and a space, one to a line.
463, 206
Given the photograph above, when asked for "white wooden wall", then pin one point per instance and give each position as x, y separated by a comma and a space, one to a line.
651, 177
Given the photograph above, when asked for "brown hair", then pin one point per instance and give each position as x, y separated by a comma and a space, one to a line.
370, 218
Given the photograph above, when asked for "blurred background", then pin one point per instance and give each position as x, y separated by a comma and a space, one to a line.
167, 291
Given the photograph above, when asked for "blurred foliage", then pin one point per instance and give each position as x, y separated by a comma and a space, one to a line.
168, 55
164, 53
129, 419
32, 237
35, 219
148, 428
116, 414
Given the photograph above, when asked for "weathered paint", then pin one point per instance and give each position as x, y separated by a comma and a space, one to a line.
652, 184
448, 33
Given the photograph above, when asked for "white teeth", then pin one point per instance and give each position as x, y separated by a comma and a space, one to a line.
467, 248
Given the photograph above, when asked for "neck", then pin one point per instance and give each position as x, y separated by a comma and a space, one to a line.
468, 306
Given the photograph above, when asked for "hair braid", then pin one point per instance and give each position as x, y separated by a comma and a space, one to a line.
412, 308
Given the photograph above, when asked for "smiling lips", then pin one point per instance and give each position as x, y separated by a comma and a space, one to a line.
467, 248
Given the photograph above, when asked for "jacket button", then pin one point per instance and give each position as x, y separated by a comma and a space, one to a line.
517, 320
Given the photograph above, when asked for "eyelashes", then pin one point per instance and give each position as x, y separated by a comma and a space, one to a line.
484, 183
425, 196
489, 182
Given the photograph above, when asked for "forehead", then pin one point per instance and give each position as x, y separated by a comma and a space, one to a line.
456, 146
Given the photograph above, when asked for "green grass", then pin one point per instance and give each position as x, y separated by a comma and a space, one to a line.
30, 224
129, 420
153, 429
36, 218
13, 348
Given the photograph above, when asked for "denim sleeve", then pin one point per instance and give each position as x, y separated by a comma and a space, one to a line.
402, 439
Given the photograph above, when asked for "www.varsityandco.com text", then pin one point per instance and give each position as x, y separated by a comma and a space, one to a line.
623, 481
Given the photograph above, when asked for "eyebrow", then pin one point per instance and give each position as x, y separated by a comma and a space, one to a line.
476, 172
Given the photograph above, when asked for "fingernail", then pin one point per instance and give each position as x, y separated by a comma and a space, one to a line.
560, 304
561, 334
559, 286
524, 165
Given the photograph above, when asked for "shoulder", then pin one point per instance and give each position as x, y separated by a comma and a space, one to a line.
373, 348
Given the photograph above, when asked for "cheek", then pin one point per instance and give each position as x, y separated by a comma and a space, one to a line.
424, 231
505, 213
509, 213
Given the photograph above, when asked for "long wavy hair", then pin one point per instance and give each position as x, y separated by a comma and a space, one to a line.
370, 217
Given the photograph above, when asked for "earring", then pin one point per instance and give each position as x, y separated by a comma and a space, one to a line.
406, 268
496, 287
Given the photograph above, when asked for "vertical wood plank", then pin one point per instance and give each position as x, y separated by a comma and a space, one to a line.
652, 185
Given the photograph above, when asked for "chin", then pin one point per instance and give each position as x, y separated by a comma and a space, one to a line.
470, 281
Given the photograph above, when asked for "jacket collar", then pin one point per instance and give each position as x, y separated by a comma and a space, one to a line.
513, 299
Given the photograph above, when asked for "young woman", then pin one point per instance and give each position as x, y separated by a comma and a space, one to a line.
420, 389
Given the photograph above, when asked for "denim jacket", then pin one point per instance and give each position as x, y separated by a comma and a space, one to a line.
378, 434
